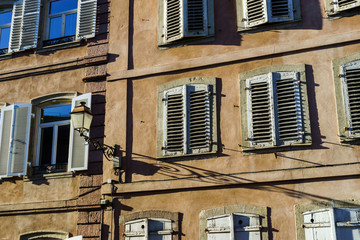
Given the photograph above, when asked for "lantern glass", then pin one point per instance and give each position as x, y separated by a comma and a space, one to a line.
81, 118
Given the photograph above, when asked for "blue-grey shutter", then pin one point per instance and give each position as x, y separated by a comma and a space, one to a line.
86, 19
280, 10
246, 226
16, 26
159, 229
319, 224
220, 227
343, 5
136, 230
78, 147
196, 20
347, 223
255, 12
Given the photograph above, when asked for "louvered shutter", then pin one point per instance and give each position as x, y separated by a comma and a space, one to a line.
347, 223
30, 25
79, 148
5, 134
261, 127
198, 114
174, 20
288, 112
220, 227
280, 10
16, 26
255, 12
86, 19
319, 225
174, 121
196, 23
136, 230
350, 77
343, 5
160, 229
247, 226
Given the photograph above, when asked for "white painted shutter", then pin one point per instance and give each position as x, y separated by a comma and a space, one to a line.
29, 35
86, 19
343, 5
174, 20
174, 121
288, 111
319, 225
198, 112
5, 134
136, 230
247, 226
347, 223
160, 229
280, 10
195, 18
260, 107
79, 148
16, 26
255, 12
350, 77
220, 227
75, 238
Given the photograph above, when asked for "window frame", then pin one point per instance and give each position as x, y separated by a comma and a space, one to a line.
182, 85
305, 139
8, 25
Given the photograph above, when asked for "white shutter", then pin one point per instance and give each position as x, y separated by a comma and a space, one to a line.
160, 229
195, 15
198, 119
247, 226
86, 19
350, 78
16, 26
5, 134
174, 20
280, 10
288, 112
174, 121
30, 25
255, 12
260, 105
319, 225
136, 230
220, 227
75, 238
79, 148
347, 223
343, 5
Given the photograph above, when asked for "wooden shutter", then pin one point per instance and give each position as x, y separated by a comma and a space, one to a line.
16, 26
136, 230
280, 10
247, 226
347, 223
196, 18
5, 134
75, 238
260, 111
350, 77
255, 12
288, 111
79, 148
343, 5
30, 26
160, 229
319, 225
220, 227
174, 20
86, 19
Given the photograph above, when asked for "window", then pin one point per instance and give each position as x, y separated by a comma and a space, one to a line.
338, 6
5, 25
185, 20
253, 13
238, 222
187, 117
38, 235
274, 110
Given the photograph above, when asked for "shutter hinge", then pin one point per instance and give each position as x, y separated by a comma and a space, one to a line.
244, 20
346, 128
164, 99
209, 93
248, 88
163, 148
299, 82
341, 75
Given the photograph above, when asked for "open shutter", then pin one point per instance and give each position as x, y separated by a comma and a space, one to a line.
347, 223
30, 25
280, 10
247, 226
136, 230
343, 5
198, 119
255, 12
350, 77
174, 20
260, 111
174, 121
196, 18
288, 112
86, 19
16, 26
160, 229
319, 225
5, 133
79, 148
220, 227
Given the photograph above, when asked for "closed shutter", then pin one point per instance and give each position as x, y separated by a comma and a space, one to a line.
343, 5
196, 18
288, 112
16, 26
86, 19
260, 111
280, 10
75, 238
220, 227
350, 77
347, 223
79, 148
174, 121
174, 20
255, 12
136, 230
247, 226
30, 26
160, 229
319, 225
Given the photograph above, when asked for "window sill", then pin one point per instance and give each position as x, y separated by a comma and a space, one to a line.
345, 13
188, 156
260, 150
269, 26
186, 42
60, 46
47, 176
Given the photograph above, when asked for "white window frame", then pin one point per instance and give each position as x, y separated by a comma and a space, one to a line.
6, 25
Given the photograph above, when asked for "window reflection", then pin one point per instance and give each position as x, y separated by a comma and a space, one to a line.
5, 24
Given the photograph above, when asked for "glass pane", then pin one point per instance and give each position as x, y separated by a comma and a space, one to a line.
55, 28
5, 18
62, 152
4, 38
70, 24
63, 6
55, 114
46, 145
